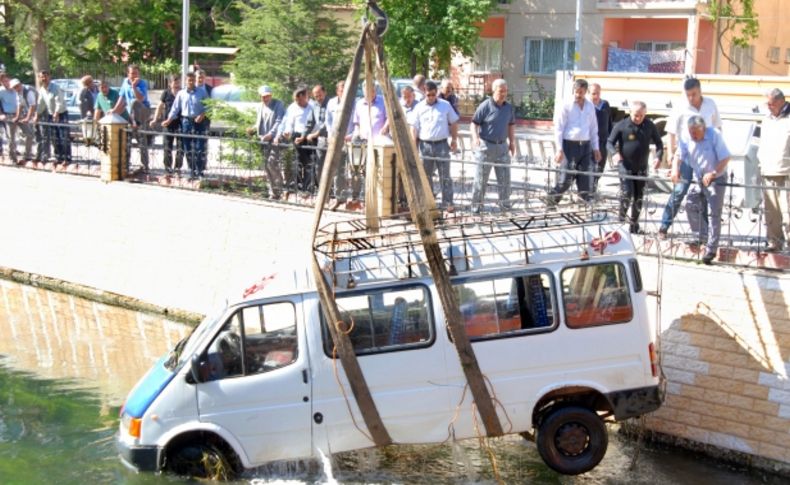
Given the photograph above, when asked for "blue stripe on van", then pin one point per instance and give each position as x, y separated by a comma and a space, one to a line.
147, 389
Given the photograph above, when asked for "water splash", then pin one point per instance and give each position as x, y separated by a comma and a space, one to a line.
326, 465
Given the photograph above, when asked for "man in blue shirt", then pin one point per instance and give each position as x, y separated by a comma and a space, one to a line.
188, 107
133, 98
494, 141
707, 155
8, 109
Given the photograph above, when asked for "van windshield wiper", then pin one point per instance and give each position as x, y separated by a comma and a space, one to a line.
175, 354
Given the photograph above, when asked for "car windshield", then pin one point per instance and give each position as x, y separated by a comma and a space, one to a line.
184, 349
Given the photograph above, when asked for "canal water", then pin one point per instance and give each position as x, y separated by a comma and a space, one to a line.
67, 363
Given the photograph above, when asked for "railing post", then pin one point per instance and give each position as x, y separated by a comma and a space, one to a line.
114, 161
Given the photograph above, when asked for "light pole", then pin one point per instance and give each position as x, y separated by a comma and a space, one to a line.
184, 42
578, 39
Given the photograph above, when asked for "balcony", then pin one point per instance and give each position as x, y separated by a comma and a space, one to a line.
648, 6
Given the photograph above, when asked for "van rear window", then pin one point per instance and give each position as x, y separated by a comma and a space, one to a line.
385, 319
506, 306
596, 294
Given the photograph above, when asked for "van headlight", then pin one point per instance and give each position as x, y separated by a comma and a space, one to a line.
131, 425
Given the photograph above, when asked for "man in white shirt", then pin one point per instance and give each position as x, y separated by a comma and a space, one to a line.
681, 172
576, 134
774, 156
300, 119
434, 121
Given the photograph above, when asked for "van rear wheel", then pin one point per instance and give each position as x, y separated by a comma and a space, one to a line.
572, 440
200, 460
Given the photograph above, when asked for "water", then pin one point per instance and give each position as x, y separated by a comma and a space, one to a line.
66, 365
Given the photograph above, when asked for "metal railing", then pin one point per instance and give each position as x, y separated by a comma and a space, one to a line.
244, 166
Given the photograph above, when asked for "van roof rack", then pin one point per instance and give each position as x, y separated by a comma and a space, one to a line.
354, 254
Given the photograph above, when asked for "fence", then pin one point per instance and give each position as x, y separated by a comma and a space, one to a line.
247, 167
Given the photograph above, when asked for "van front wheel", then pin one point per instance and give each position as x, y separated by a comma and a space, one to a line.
572, 440
200, 460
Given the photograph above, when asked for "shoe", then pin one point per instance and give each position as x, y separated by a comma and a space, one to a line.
449, 209
634, 229
709, 257
334, 205
773, 247
275, 197
662, 233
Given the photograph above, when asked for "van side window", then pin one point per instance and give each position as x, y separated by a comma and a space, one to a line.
596, 294
512, 305
255, 339
385, 319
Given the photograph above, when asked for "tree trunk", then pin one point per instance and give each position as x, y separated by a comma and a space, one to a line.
39, 49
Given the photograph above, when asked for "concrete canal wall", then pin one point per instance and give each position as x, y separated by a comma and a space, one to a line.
725, 331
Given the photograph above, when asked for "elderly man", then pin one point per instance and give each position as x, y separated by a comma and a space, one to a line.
707, 155
447, 93
576, 133
166, 102
133, 98
494, 141
9, 106
433, 122
681, 174
26, 109
774, 156
418, 84
269, 116
629, 144
300, 119
408, 102
189, 111
319, 136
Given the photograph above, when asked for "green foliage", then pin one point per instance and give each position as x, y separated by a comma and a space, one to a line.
416, 27
537, 103
284, 44
737, 20
79, 32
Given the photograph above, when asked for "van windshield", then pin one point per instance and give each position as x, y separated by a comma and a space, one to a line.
183, 350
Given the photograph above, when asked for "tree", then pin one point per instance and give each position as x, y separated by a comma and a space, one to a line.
737, 19
416, 27
286, 43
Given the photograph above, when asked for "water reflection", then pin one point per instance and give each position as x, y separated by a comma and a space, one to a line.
67, 363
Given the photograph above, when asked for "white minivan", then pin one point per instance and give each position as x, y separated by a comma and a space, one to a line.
557, 320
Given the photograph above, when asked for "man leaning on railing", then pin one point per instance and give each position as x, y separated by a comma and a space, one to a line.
52, 112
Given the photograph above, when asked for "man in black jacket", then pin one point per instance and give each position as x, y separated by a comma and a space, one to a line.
629, 144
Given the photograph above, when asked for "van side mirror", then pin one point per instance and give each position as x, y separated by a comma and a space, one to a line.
194, 374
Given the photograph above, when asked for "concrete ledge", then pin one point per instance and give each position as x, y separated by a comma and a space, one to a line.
97, 295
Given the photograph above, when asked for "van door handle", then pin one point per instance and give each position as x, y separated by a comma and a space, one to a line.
304, 376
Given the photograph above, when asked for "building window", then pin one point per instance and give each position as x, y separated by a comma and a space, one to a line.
787, 56
773, 55
488, 55
658, 46
546, 56
742, 59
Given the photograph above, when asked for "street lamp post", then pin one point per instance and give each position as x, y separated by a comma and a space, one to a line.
184, 42
578, 39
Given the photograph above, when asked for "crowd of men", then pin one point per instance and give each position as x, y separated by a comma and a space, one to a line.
584, 137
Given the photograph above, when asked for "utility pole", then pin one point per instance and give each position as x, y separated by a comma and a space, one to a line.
184, 42
578, 40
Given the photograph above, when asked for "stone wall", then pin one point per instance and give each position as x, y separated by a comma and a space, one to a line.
725, 350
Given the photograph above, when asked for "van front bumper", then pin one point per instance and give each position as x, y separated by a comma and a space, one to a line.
631, 403
140, 458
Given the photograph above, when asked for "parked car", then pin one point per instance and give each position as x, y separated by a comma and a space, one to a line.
562, 334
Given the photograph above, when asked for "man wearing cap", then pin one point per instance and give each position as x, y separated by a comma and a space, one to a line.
269, 117
434, 121
26, 108
8, 114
